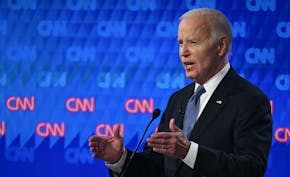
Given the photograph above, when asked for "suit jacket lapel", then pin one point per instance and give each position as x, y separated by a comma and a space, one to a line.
188, 93
213, 107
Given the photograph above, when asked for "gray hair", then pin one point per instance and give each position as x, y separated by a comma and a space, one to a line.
219, 23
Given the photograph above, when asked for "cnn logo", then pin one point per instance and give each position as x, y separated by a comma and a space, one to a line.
16, 103
135, 105
107, 129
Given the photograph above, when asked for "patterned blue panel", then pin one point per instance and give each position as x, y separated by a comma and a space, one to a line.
73, 68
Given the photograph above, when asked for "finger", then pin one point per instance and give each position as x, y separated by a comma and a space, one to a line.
97, 138
94, 155
155, 141
93, 138
161, 135
173, 127
94, 149
97, 155
162, 150
153, 145
159, 143
116, 131
93, 144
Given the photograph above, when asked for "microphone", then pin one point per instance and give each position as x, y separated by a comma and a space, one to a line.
181, 112
155, 114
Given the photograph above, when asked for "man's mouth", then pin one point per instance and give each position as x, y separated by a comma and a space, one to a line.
188, 65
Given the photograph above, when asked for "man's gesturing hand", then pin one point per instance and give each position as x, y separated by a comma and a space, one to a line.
107, 148
170, 143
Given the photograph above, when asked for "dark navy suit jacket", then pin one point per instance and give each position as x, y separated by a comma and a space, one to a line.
234, 134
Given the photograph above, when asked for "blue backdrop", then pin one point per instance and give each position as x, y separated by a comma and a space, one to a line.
73, 68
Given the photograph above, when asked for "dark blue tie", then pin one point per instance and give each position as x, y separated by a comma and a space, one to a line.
192, 110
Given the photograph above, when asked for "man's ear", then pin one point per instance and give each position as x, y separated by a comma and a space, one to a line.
223, 46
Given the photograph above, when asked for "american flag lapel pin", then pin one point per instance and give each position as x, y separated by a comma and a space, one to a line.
219, 102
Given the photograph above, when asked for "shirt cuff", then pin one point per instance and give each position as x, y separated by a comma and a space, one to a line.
117, 167
190, 157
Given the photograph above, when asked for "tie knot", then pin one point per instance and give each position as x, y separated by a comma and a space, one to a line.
199, 91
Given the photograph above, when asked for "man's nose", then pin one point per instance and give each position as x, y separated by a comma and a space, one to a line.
183, 49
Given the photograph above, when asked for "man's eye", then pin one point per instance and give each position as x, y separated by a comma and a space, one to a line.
192, 41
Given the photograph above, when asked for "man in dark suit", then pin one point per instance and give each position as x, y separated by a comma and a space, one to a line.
219, 126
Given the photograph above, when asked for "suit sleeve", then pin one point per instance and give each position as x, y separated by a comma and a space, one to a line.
252, 135
143, 164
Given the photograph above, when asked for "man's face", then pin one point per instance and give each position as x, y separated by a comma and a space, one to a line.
198, 50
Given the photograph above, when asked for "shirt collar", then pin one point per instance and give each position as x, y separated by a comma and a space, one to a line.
214, 81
